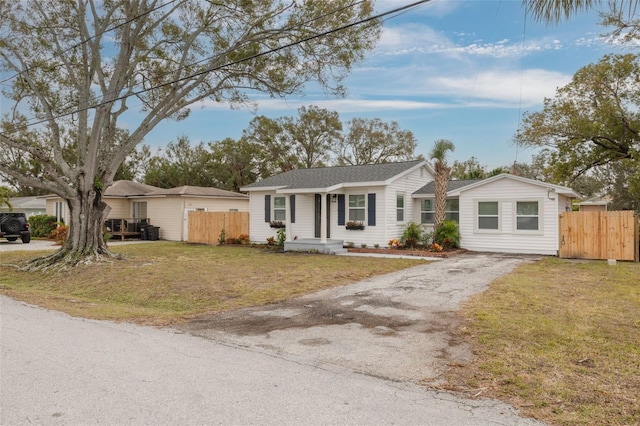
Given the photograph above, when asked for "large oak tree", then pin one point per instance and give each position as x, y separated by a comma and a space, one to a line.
80, 65
592, 122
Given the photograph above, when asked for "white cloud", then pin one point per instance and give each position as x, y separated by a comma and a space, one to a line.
510, 88
414, 39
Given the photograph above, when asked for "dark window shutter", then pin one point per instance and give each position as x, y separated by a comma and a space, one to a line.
371, 210
267, 208
292, 202
341, 211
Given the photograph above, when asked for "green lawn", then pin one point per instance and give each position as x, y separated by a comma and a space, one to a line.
162, 283
560, 340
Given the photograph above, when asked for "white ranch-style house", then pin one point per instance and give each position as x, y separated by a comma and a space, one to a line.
324, 208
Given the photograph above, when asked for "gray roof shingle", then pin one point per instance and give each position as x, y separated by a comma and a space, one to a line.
452, 185
324, 177
127, 188
198, 191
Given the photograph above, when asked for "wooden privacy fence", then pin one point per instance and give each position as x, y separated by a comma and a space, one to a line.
599, 235
205, 227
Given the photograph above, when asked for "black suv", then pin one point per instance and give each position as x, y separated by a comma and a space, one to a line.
14, 226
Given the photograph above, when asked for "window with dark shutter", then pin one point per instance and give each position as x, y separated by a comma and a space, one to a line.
292, 202
341, 207
267, 208
371, 210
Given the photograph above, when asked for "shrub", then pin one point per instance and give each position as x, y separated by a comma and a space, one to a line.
244, 239
60, 233
395, 243
447, 235
427, 239
271, 241
281, 237
363, 245
222, 238
41, 225
412, 235
435, 247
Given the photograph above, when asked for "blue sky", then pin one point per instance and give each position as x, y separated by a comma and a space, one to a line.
459, 70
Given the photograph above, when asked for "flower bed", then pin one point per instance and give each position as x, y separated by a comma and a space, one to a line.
407, 252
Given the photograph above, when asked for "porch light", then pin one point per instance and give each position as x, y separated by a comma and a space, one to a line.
334, 197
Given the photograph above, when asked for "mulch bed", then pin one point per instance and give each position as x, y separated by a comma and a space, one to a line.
407, 252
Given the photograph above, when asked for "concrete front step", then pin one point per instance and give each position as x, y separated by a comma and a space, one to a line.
310, 244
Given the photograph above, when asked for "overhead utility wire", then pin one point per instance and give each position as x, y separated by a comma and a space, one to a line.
300, 24
80, 43
248, 58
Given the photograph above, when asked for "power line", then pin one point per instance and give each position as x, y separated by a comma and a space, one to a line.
80, 43
230, 50
245, 59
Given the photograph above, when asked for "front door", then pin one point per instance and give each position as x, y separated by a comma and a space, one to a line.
318, 213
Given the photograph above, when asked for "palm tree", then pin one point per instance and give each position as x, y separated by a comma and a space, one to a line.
552, 11
438, 154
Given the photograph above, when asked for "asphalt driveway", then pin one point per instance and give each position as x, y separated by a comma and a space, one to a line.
400, 326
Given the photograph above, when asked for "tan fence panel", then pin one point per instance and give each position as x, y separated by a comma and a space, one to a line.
205, 227
599, 235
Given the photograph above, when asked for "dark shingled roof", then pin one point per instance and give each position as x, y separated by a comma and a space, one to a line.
452, 185
127, 188
197, 191
325, 177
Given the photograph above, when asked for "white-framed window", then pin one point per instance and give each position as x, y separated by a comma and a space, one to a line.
451, 210
488, 216
427, 210
357, 207
279, 208
400, 207
139, 209
527, 216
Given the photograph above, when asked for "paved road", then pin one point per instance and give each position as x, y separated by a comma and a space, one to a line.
55, 369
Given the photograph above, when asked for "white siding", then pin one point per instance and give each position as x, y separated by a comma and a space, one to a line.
386, 228
370, 235
120, 208
304, 227
508, 240
408, 185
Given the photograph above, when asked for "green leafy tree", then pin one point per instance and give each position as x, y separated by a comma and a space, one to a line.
233, 163
180, 164
313, 135
468, 169
372, 141
135, 165
5, 195
592, 123
274, 154
80, 65
439, 153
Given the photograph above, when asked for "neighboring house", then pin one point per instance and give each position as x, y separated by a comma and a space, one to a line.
316, 204
504, 213
595, 204
165, 208
28, 205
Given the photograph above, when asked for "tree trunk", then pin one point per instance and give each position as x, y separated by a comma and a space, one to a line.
441, 179
85, 242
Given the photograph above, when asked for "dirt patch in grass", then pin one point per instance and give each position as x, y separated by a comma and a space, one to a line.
164, 283
560, 340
